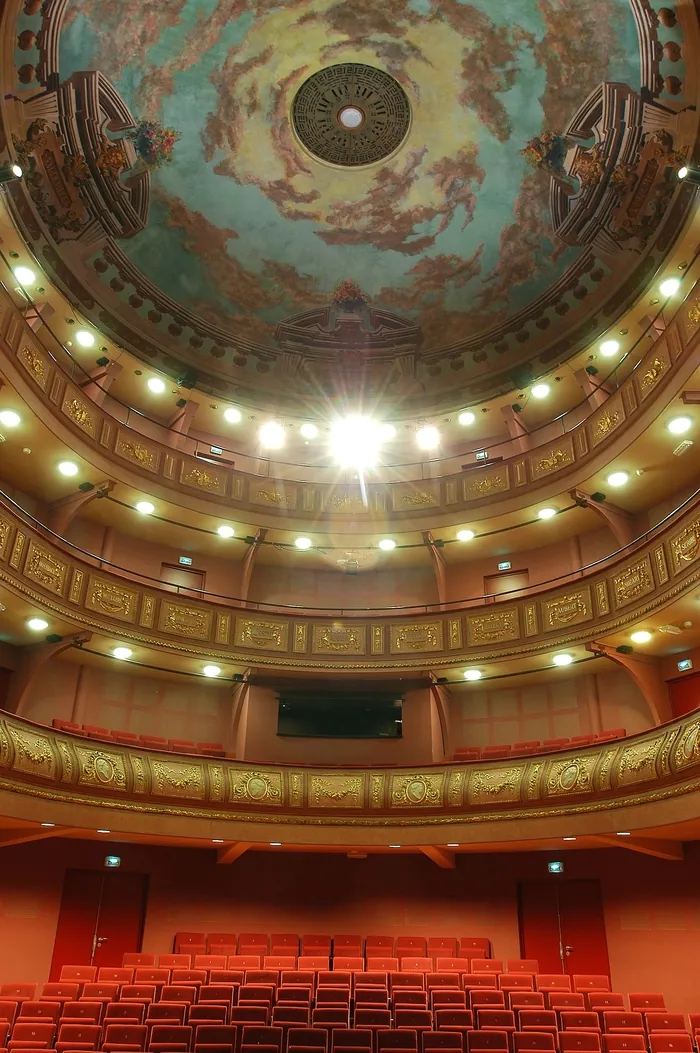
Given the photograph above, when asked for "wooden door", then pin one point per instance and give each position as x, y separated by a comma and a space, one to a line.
184, 577
514, 582
101, 916
562, 926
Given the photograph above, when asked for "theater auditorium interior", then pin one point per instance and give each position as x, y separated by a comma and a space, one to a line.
350, 526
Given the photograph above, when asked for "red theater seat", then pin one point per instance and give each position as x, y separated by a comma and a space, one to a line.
495, 1020
190, 943
471, 981
261, 1040
407, 979
371, 998
252, 943
559, 1000
83, 1012
318, 944
347, 946
39, 1012
598, 1001
78, 1037
313, 961
124, 1013
485, 998
533, 1042
474, 947
349, 964
8, 1011
256, 994
579, 1021
543, 1021
161, 1014
389, 965
32, 1036
133, 958
166, 1039
405, 997
591, 982
642, 1002
211, 749
244, 961
379, 947
125, 1038
442, 979
288, 1017
458, 1021
279, 961
330, 1018
487, 965
250, 1014
416, 965
306, 1040
153, 742
620, 1022
298, 978
101, 992
670, 1042
284, 943
405, 1041
516, 982
215, 1038
219, 939
210, 961
126, 738
522, 965
525, 1000
372, 1019
217, 994
579, 1042
446, 997
356, 1040
659, 1021
189, 977
411, 946
489, 1040
158, 977
174, 961
125, 975
94, 731
624, 1044
82, 974
442, 947
143, 993
414, 1019
453, 965
437, 1041
552, 982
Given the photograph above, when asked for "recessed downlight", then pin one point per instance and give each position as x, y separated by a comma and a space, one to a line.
568, 838
9, 419
540, 391
682, 172
677, 426
146, 508
225, 531
472, 674
104, 831
156, 385
48, 824
217, 840
669, 287
85, 338
428, 438
453, 844
609, 348
623, 833
37, 625
562, 659
394, 846
546, 513
618, 479
275, 844
211, 670
68, 468
466, 418
122, 653
233, 415
25, 276
640, 636
387, 544
308, 431
465, 535
272, 435
387, 432
303, 542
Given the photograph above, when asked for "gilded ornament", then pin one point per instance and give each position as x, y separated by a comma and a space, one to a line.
273, 497
601, 595
138, 453
186, 621
376, 783
660, 563
569, 776
336, 789
377, 639
530, 612
5, 533
32, 752
335, 639
76, 586
139, 781
568, 609
632, 582
112, 599
66, 761
45, 569
300, 630
688, 749
693, 316
485, 486
685, 546
504, 785
425, 637
204, 479
77, 411
455, 788
495, 627
415, 790
256, 786
223, 626
652, 374
455, 632
296, 789
34, 363
17, 549
419, 499
346, 503
148, 608
253, 633
172, 779
638, 763
605, 424
100, 768
552, 461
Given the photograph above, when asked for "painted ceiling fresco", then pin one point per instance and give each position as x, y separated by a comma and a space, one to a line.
453, 232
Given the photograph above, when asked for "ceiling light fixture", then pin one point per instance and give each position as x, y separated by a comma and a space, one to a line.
308, 431
225, 531
272, 435
25, 276
303, 542
546, 513
568, 839
428, 438
623, 833
453, 845
682, 172
275, 844
156, 385
122, 653
540, 391
211, 670
9, 419
37, 625
232, 415
466, 418
145, 508
609, 348
640, 636
669, 287
472, 674
85, 338
68, 468
104, 831
562, 659
465, 535
48, 824
394, 846
356, 442
387, 544
677, 426
10, 171
618, 478
387, 432
217, 840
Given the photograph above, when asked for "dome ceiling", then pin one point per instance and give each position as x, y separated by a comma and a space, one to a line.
531, 160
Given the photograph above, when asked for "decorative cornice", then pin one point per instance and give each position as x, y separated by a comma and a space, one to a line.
654, 766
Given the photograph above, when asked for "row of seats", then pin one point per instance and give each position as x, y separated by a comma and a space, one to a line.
150, 742
525, 749
319, 944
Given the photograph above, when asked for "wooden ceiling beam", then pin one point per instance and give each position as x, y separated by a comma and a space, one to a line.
647, 846
440, 856
230, 853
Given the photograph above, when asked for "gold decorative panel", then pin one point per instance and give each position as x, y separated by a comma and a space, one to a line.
407, 639
76, 586
33, 753
255, 787
601, 597
688, 748
79, 412
495, 627
201, 477
45, 568
338, 639
569, 609
660, 565
148, 610
651, 372
484, 483
416, 791
638, 762
5, 535
137, 451
35, 365
223, 628
610, 418
454, 626
685, 546
557, 456
635, 581
268, 635
345, 502
530, 618
495, 787
17, 549
416, 498
570, 776
109, 598
101, 768
336, 791
173, 779
455, 788
377, 639
295, 782
692, 316
300, 634
376, 791
192, 622
272, 495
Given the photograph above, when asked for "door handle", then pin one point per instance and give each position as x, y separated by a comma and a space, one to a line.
568, 949
100, 940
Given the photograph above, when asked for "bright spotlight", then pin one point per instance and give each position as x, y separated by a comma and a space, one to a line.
465, 535
37, 625
609, 348
9, 172
308, 431
25, 276
546, 513
122, 653
387, 544
540, 391
640, 636
272, 435
85, 338
563, 659
145, 508
677, 426
668, 288
232, 415
303, 542
10, 419
225, 531
428, 438
387, 432
466, 418
156, 385
68, 468
618, 478
211, 670
356, 442
682, 172
472, 674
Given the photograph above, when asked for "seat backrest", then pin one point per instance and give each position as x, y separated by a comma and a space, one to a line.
188, 976
210, 961
253, 939
82, 973
58, 992
526, 999
552, 982
487, 1040
416, 965
80, 1033
441, 1040
151, 975
279, 961
495, 1018
670, 1042
174, 961
175, 1033
625, 1043
522, 965
662, 1021
446, 1019
38, 1034
480, 996
42, 1011
216, 938
390, 965
210, 1012
313, 961
453, 965
173, 1012
516, 981
591, 982
469, 946
442, 946
178, 993
284, 943
215, 1034
534, 1018
333, 978
227, 976
641, 1000
407, 979
137, 993
101, 992
83, 1011
307, 1038
565, 1000
619, 1018
540, 1041
250, 1014
605, 1000
418, 1018
351, 946
487, 965
126, 1035
122, 1011
356, 1038
269, 977
252, 1035
217, 994
472, 981
348, 963
444, 996
186, 939
244, 961
372, 1017
125, 975
573, 1020
411, 945
579, 1042
404, 1039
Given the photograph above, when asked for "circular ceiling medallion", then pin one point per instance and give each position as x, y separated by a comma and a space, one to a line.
351, 114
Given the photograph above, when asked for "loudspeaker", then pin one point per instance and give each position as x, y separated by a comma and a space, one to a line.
187, 379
